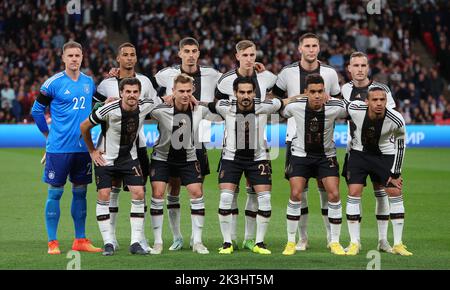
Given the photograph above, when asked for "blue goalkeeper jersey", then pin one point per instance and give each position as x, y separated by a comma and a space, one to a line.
70, 104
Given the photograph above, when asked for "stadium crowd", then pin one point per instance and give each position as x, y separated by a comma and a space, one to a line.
33, 32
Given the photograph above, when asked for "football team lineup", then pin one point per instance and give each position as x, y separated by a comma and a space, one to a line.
376, 149
277, 211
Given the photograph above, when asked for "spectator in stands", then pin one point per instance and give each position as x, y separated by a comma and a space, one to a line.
446, 115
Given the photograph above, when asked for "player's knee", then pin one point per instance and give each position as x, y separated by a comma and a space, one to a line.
333, 196
196, 193
264, 201
55, 192
226, 198
103, 194
393, 191
79, 191
354, 193
252, 202
138, 194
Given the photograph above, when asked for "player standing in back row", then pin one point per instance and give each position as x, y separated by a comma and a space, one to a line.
291, 82
69, 95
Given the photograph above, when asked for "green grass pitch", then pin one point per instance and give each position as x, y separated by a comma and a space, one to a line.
426, 192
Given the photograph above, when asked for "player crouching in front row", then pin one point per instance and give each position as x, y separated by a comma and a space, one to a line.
123, 119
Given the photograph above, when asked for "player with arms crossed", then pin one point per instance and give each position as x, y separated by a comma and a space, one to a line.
264, 81
69, 95
118, 159
314, 155
377, 150
291, 82
357, 89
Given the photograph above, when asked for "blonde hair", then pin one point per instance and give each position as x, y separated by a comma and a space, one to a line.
183, 79
244, 44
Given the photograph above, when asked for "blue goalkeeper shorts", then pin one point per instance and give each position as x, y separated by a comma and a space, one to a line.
78, 166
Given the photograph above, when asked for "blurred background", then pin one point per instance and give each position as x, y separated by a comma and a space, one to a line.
407, 43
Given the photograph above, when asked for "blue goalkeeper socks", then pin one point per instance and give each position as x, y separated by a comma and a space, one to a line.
78, 210
52, 211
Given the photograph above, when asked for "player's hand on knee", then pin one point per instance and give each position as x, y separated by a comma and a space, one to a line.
97, 157
396, 182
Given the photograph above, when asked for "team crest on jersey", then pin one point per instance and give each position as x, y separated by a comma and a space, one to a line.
314, 125
51, 174
371, 132
86, 88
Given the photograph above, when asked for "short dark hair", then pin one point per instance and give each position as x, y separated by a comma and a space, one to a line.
314, 79
188, 41
72, 44
244, 80
130, 82
308, 35
375, 89
125, 44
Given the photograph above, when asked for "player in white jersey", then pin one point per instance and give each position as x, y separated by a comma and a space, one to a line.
245, 151
357, 89
205, 81
109, 88
174, 156
265, 80
314, 155
291, 82
377, 150
118, 157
